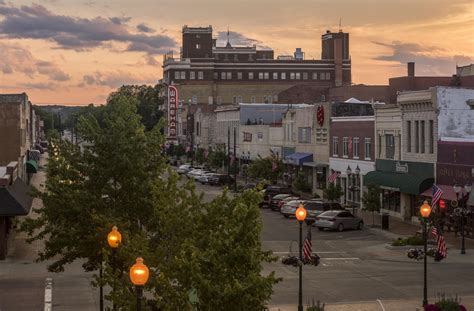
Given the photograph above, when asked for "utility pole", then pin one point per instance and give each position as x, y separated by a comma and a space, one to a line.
235, 159
228, 154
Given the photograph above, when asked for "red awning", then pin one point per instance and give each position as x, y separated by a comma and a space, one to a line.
448, 192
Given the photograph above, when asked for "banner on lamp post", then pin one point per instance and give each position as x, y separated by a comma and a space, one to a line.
172, 112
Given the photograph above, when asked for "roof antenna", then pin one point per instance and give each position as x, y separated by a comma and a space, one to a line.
228, 40
340, 20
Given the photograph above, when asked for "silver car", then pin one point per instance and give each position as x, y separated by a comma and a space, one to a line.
289, 209
338, 220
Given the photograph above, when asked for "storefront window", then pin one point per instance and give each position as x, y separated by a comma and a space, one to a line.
391, 200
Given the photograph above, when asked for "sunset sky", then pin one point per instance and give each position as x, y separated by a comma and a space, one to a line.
77, 51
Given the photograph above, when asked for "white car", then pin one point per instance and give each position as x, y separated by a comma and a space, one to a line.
195, 173
204, 178
289, 209
183, 169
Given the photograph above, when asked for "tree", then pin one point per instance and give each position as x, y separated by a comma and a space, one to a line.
217, 158
199, 156
332, 192
371, 200
269, 168
301, 184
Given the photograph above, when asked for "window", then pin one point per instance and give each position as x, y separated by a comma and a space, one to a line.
355, 148
219, 101
239, 99
408, 136
275, 98
229, 75
389, 146
239, 75
250, 75
391, 200
328, 76
266, 75
368, 148
335, 147
200, 75
183, 75
260, 75
275, 76
198, 46
197, 128
292, 75
298, 75
304, 135
234, 100
247, 136
431, 129
236, 57
345, 147
250, 57
252, 99
422, 130
265, 100
194, 99
223, 75
270, 99
417, 137
315, 76
192, 75
216, 75
177, 75
210, 100
260, 135
305, 76
283, 75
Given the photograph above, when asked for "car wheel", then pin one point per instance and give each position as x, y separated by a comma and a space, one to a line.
320, 229
360, 226
340, 227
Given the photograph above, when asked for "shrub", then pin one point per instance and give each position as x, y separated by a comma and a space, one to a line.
412, 240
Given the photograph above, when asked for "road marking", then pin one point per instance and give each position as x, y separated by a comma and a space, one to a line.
48, 295
348, 258
282, 253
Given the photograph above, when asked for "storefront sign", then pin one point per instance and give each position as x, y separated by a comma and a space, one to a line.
320, 115
449, 174
172, 111
401, 168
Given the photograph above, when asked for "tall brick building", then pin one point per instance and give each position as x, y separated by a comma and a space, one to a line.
207, 73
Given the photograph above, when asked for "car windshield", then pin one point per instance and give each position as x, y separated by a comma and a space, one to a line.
295, 202
330, 213
314, 206
280, 196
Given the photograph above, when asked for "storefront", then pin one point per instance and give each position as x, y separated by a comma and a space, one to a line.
402, 184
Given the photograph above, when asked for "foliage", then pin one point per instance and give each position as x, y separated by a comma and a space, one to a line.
217, 158
50, 120
213, 249
200, 156
52, 134
270, 168
371, 200
412, 240
302, 184
332, 192
446, 303
315, 307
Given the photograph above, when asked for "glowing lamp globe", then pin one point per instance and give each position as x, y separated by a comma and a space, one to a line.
300, 213
425, 210
114, 238
139, 273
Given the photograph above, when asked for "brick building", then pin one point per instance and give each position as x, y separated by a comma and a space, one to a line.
207, 73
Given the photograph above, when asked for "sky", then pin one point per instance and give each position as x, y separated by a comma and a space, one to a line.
75, 52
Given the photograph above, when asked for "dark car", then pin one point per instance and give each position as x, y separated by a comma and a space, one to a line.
278, 200
316, 207
220, 180
272, 191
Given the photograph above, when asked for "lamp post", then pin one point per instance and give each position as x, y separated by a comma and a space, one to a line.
300, 215
114, 238
461, 198
425, 211
139, 276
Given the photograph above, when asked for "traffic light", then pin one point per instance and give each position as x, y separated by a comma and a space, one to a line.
442, 204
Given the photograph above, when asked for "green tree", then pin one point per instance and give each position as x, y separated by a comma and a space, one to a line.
332, 192
301, 184
371, 200
269, 168
199, 155
217, 158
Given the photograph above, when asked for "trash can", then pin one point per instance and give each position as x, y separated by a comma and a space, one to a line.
385, 222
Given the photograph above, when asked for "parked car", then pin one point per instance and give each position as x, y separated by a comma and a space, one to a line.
289, 209
220, 179
194, 173
277, 201
204, 178
183, 169
316, 207
338, 220
271, 191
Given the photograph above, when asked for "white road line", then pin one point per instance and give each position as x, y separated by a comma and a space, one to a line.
48, 295
348, 258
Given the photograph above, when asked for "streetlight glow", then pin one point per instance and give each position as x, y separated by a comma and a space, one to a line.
301, 213
425, 210
139, 273
114, 238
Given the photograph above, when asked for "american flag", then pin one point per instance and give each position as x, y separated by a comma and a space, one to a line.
333, 176
307, 246
437, 193
440, 241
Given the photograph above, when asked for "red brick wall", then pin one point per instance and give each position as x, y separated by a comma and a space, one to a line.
365, 129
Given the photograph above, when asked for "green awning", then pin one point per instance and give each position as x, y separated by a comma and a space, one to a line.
31, 167
405, 183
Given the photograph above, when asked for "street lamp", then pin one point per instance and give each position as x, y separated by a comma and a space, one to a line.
425, 211
139, 276
461, 198
300, 215
353, 187
114, 238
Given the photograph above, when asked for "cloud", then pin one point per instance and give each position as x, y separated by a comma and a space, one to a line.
15, 58
237, 39
114, 79
39, 86
145, 28
429, 60
68, 32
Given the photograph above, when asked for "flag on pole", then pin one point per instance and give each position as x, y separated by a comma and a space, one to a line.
437, 193
440, 241
333, 176
307, 246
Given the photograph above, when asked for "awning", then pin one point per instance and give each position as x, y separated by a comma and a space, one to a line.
298, 158
315, 164
15, 199
31, 167
405, 183
448, 192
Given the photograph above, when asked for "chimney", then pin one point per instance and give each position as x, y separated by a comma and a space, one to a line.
411, 69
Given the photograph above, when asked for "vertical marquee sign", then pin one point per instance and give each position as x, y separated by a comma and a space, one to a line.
172, 111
